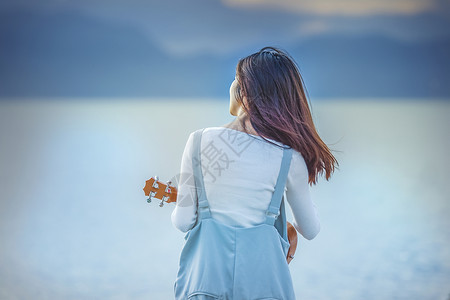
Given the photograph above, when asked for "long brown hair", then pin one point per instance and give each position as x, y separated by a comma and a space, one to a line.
278, 109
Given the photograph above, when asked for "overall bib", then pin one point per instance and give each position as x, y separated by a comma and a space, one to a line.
219, 261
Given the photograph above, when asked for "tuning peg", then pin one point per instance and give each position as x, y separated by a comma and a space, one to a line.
150, 195
155, 183
163, 199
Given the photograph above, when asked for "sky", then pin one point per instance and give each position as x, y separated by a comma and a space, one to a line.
349, 48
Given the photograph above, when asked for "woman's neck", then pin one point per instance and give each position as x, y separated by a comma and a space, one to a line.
236, 124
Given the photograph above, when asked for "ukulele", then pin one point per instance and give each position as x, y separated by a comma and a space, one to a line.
168, 194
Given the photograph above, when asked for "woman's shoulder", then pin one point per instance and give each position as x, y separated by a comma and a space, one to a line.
225, 132
228, 135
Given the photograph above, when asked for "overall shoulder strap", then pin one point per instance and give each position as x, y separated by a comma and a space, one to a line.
273, 211
203, 205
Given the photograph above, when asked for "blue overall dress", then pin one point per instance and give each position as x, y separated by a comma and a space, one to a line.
219, 261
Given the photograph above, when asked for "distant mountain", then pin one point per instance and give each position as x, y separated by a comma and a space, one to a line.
374, 66
70, 55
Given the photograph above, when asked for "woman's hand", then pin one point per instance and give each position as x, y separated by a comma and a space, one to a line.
292, 237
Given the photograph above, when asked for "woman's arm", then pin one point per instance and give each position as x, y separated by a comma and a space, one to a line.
306, 217
184, 216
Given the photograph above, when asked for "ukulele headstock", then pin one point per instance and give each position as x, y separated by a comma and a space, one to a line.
159, 190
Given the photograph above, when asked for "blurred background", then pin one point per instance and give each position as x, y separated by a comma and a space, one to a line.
98, 96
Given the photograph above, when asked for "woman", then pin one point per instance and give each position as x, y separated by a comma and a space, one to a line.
234, 179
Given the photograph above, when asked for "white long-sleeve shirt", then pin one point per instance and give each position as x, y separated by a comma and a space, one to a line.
239, 173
